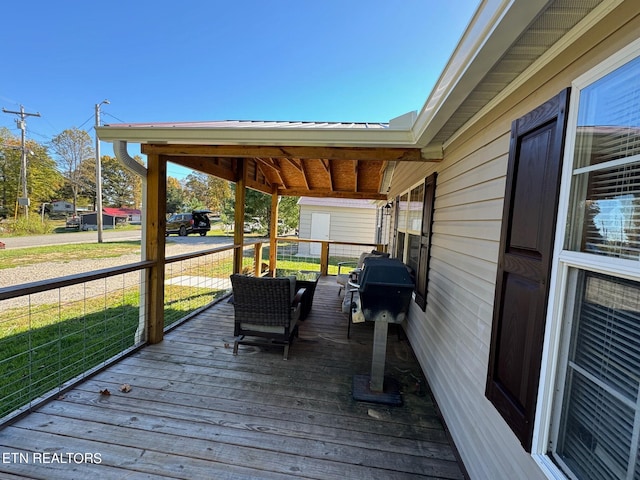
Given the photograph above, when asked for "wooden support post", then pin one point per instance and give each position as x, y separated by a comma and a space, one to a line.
273, 243
154, 245
258, 259
324, 259
238, 230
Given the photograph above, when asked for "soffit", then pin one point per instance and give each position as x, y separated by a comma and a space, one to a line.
548, 27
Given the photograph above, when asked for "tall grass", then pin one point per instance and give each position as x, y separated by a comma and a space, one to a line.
31, 225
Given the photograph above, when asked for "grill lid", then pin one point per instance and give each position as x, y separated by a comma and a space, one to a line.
389, 272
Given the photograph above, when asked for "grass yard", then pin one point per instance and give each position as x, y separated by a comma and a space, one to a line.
65, 253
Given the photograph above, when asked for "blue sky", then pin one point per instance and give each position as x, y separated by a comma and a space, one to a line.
299, 60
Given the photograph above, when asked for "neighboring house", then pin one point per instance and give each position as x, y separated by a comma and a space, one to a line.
111, 217
133, 215
61, 206
520, 220
336, 219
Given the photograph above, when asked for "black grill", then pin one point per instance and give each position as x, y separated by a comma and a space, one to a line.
385, 290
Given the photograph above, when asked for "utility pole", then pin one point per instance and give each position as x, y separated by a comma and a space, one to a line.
99, 173
22, 125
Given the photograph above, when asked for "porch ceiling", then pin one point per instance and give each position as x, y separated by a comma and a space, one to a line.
340, 172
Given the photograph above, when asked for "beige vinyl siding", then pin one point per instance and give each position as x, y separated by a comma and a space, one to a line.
356, 225
452, 338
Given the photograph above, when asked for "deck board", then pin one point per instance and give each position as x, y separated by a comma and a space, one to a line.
197, 411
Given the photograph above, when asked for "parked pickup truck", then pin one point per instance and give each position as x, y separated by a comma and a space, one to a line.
73, 223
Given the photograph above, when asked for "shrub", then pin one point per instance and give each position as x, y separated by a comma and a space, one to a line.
32, 225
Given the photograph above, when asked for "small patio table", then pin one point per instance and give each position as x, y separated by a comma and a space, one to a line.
307, 279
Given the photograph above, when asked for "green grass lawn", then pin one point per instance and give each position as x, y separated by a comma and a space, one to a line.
65, 253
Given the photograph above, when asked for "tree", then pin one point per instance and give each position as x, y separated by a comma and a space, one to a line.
72, 146
258, 205
218, 191
289, 213
206, 191
42, 177
119, 185
175, 196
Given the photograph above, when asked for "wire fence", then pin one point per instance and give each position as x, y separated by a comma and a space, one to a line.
310, 255
53, 332
57, 332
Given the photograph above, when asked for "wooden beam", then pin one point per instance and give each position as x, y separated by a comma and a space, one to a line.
327, 166
273, 233
205, 165
323, 192
268, 151
305, 178
155, 225
270, 164
295, 162
260, 187
238, 229
355, 175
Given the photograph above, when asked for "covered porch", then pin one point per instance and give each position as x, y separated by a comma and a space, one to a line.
196, 411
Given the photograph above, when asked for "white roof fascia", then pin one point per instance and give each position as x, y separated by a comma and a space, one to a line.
491, 32
337, 137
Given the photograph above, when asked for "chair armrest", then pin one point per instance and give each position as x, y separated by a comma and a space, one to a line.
349, 264
298, 298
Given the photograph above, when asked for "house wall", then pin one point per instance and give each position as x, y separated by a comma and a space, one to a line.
347, 225
452, 338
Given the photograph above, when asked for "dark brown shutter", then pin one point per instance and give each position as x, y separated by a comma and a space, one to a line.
422, 275
524, 264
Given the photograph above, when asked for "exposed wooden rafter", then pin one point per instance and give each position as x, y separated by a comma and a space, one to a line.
342, 174
355, 175
305, 177
274, 169
327, 166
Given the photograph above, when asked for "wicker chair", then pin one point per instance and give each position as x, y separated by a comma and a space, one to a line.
265, 307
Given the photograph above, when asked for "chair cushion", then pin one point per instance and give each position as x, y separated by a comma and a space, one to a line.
277, 329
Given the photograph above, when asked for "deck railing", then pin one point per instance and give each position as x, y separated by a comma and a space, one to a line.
318, 255
54, 333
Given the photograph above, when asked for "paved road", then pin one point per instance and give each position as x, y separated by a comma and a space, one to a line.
110, 236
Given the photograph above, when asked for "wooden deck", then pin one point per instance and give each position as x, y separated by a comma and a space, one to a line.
197, 412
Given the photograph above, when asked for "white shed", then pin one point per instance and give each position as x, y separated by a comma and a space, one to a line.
338, 220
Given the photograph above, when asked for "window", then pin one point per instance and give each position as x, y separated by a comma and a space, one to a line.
596, 417
413, 235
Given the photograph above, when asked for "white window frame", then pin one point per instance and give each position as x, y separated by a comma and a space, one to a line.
405, 228
563, 262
